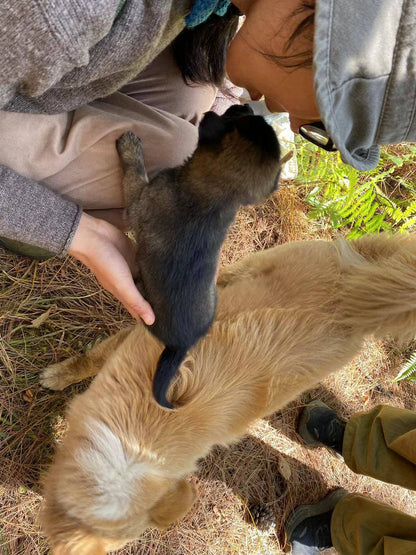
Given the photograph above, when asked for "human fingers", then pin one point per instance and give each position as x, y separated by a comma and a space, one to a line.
126, 292
102, 248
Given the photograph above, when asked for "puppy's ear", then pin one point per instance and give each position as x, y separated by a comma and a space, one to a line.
174, 504
212, 129
256, 130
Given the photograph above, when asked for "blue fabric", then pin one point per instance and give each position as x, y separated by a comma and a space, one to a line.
203, 9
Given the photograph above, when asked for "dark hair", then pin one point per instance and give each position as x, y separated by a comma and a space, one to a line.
200, 52
305, 28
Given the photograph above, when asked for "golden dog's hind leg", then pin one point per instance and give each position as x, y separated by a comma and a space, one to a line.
78, 368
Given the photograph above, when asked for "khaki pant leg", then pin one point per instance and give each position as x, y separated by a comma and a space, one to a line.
362, 526
74, 153
382, 444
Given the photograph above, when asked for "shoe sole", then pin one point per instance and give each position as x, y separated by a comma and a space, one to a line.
303, 512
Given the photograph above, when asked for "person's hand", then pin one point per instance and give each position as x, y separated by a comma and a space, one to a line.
109, 254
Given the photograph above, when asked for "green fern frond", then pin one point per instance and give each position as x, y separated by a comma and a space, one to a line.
410, 210
409, 223
357, 200
408, 369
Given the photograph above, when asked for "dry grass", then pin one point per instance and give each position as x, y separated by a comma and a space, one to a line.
51, 310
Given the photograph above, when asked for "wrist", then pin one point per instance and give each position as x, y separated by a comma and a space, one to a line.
81, 242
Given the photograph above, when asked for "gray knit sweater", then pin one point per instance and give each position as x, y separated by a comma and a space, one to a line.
58, 55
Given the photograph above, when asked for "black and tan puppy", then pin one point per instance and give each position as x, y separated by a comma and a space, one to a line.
180, 219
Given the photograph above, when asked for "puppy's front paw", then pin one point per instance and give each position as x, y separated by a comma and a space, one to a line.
129, 148
57, 376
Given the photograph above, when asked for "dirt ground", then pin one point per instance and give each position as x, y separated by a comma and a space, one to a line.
53, 309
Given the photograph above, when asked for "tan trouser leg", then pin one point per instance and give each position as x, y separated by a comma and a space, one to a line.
74, 153
362, 526
382, 444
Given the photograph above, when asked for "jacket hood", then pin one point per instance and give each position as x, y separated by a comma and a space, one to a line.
365, 75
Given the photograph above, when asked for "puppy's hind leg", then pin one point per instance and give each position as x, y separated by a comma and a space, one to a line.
130, 150
75, 369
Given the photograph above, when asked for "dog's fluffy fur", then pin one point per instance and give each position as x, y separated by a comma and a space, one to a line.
286, 318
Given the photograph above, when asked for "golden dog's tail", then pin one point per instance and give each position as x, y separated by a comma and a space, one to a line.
378, 285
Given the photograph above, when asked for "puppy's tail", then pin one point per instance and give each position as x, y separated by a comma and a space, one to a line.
167, 366
378, 289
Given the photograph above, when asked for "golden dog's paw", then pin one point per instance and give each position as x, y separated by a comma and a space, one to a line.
56, 377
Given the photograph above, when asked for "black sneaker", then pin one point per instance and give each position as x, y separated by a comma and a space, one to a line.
308, 527
320, 425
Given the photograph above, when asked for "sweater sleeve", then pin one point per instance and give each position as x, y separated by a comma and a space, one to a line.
35, 215
41, 41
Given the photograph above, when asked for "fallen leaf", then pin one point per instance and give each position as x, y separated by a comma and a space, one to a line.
367, 399
37, 322
28, 396
284, 469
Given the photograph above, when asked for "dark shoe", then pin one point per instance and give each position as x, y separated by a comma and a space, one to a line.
17, 247
320, 425
308, 527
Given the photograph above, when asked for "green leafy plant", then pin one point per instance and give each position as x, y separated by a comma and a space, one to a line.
408, 370
364, 202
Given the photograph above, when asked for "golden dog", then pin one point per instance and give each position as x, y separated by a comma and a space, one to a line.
287, 317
